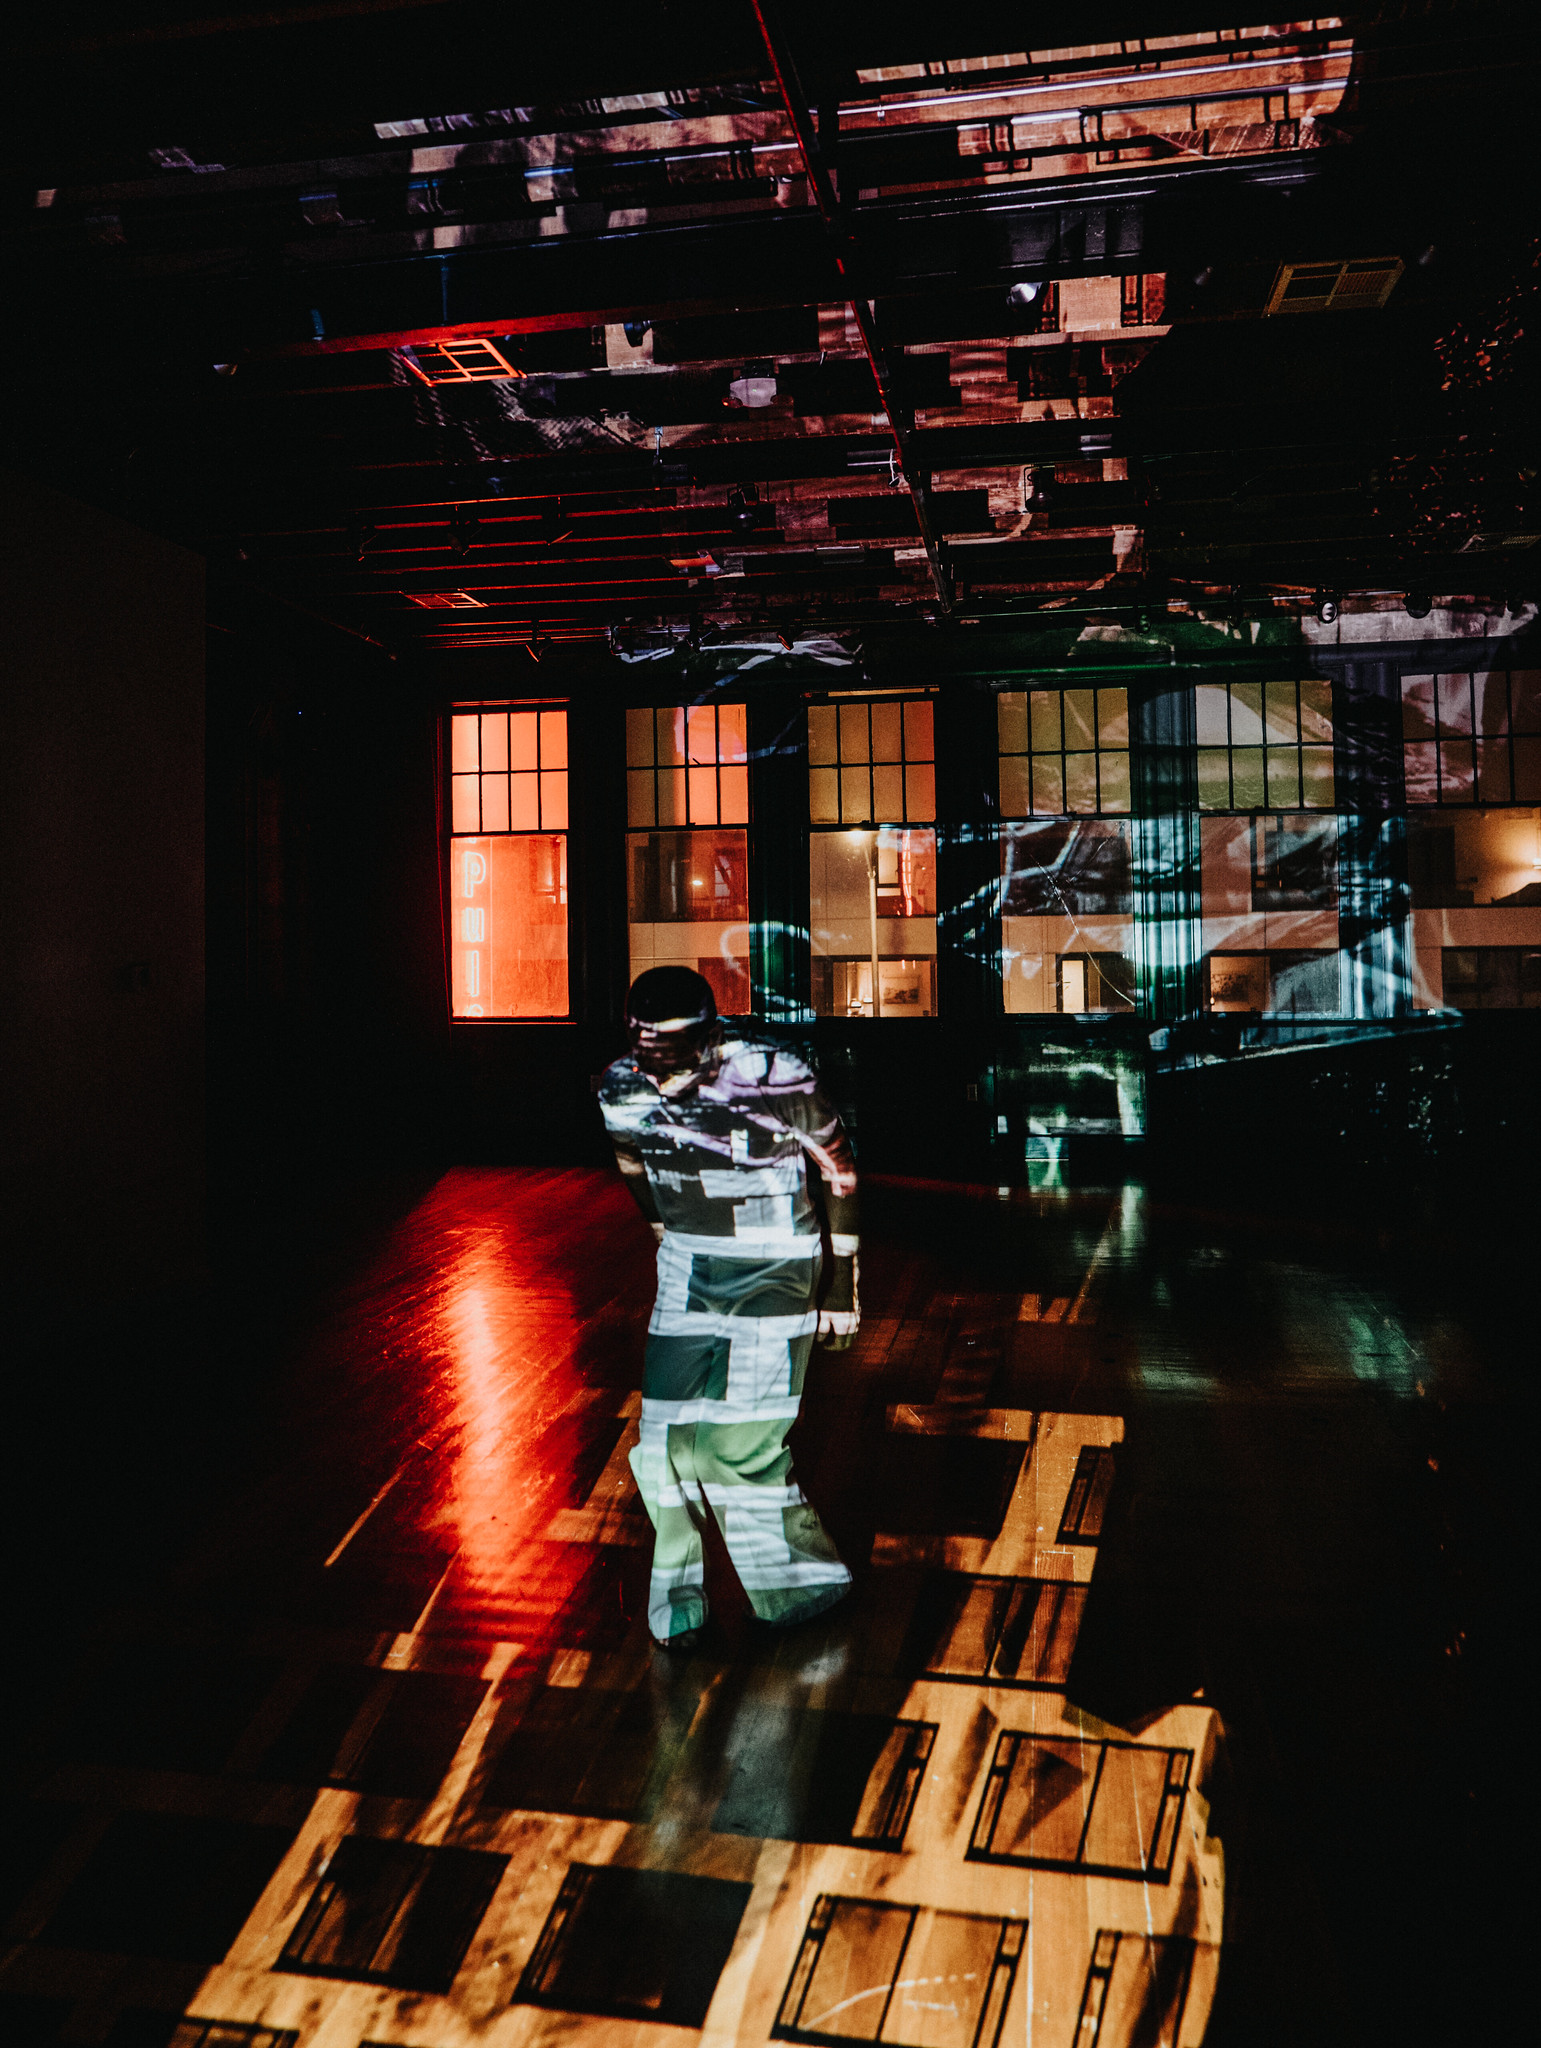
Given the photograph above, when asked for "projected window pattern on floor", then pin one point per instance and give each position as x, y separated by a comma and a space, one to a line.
1063, 751
978, 1630
507, 880
911, 1976
1265, 746
393, 1913
1472, 738
1136, 1989
687, 765
1109, 1809
872, 762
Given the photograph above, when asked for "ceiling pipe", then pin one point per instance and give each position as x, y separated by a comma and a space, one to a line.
843, 247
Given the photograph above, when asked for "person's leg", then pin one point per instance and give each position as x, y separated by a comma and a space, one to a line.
663, 1465
780, 1549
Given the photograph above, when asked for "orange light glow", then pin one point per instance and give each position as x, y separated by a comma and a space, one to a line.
508, 926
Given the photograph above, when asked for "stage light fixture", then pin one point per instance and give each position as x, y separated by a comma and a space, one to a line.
1025, 292
1327, 607
743, 512
1417, 605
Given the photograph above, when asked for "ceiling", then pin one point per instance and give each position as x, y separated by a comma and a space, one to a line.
708, 320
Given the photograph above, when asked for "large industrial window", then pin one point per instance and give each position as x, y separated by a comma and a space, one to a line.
687, 880
1472, 738
508, 862
872, 884
1265, 746
1063, 751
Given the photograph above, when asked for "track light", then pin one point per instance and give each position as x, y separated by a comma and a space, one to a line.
1417, 605
743, 512
1025, 292
1327, 607
1037, 489
462, 531
535, 647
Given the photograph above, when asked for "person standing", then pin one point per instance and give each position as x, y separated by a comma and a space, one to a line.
724, 1140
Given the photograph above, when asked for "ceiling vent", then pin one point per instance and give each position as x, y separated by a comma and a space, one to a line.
1362, 283
449, 601
477, 361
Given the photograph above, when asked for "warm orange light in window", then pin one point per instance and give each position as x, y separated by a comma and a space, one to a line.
508, 926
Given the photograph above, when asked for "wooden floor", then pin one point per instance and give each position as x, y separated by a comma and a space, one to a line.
1149, 1722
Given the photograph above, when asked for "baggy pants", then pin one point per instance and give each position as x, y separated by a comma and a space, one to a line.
722, 1379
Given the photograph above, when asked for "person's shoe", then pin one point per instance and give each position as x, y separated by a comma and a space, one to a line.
687, 1639
819, 1603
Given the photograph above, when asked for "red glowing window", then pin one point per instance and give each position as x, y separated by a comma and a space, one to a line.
687, 765
508, 862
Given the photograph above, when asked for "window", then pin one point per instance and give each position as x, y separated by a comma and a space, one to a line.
1472, 738
687, 883
1294, 863
687, 765
1063, 751
1066, 922
871, 762
1283, 984
1265, 746
868, 1970
1066, 1803
508, 862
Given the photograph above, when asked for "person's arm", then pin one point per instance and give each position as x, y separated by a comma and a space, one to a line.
833, 1183
628, 1157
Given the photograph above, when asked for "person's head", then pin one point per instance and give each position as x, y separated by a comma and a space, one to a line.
671, 1018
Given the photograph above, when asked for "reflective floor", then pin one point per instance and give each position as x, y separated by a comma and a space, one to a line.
1173, 1703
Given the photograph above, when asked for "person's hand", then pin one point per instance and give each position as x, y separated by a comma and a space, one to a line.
839, 1322
657, 1230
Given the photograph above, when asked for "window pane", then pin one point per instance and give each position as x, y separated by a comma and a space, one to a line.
639, 737
671, 796
703, 795
1011, 721
821, 734
670, 723
1493, 771
735, 795
465, 804
886, 743
1417, 707
853, 732
1115, 782
701, 735
1315, 709
494, 739
1283, 778
523, 803
842, 932
1209, 700
1080, 782
920, 793
1279, 722
495, 803
1317, 783
553, 801
1525, 699
688, 904
1418, 766
1527, 771
1247, 778
1455, 771
639, 797
732, 733
1045, 720
1014, 795
1246, 714
462, 740
1048, 785
1113, 718
1080, 719
919, 744
521, 739
1492, 693
1454, 696
511, 961
824, 796
888, 794
1214, 779
553, 739
855, 794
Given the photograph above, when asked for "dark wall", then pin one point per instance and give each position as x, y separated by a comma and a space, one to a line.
102, 912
